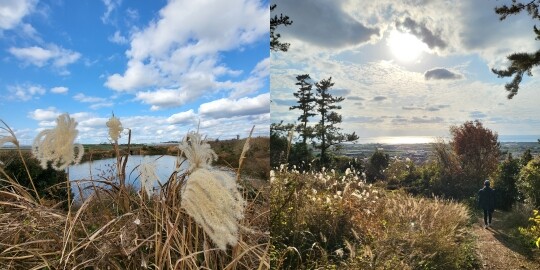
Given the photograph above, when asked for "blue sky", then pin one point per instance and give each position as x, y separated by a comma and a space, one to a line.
408, 68
160, 66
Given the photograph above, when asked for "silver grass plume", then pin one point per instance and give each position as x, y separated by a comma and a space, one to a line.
198, 153
211, 197
148, 177
115, 128
57, 145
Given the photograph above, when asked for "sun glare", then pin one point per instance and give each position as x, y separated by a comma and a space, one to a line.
405, 46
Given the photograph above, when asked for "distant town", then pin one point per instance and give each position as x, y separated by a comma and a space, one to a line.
422, 152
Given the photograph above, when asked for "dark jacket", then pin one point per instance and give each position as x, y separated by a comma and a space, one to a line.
486, 198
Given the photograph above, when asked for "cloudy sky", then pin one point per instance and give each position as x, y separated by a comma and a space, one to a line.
407, 68
160, 66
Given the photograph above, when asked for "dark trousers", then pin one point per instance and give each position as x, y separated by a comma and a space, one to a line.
487, 214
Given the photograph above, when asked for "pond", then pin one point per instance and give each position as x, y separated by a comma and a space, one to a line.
106, 169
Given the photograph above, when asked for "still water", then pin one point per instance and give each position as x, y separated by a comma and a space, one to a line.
106, 169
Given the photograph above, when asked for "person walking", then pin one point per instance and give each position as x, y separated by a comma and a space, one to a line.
486, 201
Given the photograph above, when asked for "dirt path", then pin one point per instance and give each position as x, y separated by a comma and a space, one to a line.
498, 250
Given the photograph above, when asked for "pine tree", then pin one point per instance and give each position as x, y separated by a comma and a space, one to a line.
326, 130
306, 104
520, 63
275, 44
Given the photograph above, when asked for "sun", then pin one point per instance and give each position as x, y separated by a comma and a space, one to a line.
405, 46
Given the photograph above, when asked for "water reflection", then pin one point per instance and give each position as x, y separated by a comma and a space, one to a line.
105, 169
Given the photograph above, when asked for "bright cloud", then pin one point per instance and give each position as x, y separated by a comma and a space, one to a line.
38, 56
13, 11
25, 92
183, 62
223, 108
59, 90
182, 117
48, 114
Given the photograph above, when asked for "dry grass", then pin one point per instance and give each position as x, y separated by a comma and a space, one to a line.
120, 228
325, 220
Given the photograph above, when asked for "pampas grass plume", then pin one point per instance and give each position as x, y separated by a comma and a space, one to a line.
211, 197
115, 128
148, 176
57, 145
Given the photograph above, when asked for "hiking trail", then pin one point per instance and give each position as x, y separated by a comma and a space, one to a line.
497, 249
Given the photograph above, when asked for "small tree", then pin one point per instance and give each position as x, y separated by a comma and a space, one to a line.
326, 130
478, 151
306, 104
505, 183
446, 175
525, 157
275, 44
529, 181
376, 165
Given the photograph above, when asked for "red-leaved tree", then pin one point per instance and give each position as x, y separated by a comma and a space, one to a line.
477, 149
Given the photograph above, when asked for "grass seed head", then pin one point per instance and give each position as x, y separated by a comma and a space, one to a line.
212, 199
115, 128
57, 145
198, 152
148, 176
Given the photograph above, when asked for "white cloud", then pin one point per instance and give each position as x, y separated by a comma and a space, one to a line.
187, 59
25, 92
59, 90
88, 99
110, 6
101, 105
182, 117
98, 102
47, 115
138, 75
13, 11
223, 108
53, 54
166, 98
35, 55
118, 38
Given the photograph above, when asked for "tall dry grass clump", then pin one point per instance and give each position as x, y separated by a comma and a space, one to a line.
137, 230
332, 220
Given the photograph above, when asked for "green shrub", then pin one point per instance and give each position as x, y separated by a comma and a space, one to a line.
532, 232
529, 181
50, 184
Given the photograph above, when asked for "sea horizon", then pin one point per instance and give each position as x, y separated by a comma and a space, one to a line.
432, 139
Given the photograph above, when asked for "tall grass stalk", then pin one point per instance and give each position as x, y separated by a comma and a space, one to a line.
243, 154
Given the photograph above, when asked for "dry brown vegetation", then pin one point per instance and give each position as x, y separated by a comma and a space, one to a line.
332, 221
123, 228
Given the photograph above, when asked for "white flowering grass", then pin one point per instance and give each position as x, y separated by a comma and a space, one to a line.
211, 197
197, 152
57, 145
148, 175
11, 138
115, 128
